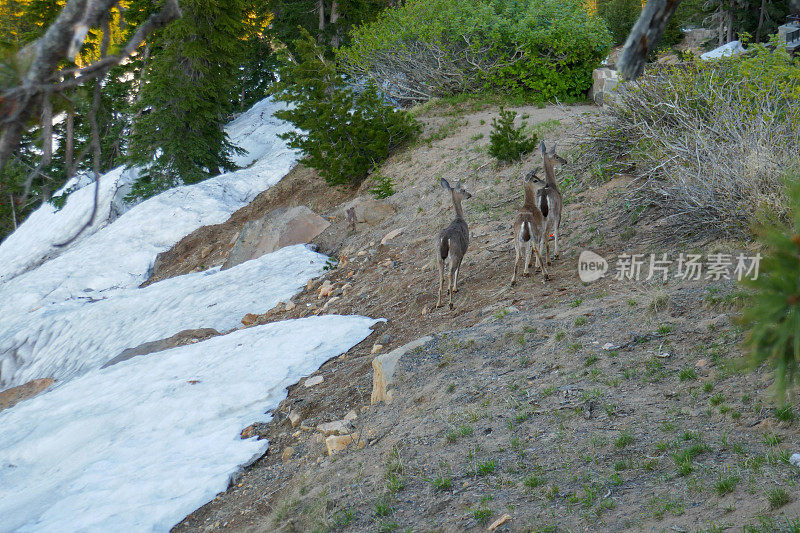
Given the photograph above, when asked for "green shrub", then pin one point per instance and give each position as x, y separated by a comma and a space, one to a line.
773, 313
384, 186
429, 48
507, 142
708, 141
343, 134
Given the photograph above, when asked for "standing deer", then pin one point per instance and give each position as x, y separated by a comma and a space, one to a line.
453, 243
530, 234
549, 198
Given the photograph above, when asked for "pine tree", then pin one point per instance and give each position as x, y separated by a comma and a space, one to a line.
178, 133
342, 133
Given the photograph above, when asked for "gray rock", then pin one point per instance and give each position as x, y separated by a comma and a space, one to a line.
187, 336
369, 210
281, 227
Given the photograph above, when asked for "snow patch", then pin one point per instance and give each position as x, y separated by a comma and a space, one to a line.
66, 339
730, 49
139, 445
121, 253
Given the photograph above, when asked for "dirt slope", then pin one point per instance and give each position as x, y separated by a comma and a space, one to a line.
515, 402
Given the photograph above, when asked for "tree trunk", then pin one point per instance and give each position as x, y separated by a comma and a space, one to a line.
335, 40
69, 143
321, 13
730, 21
761, 13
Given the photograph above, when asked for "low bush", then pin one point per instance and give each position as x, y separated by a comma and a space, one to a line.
507, 142
343, 133
430, 48
708, 142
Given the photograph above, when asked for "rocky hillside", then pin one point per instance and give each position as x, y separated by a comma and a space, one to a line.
612, 405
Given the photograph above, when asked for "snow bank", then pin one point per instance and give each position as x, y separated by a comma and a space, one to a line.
730, 49
66, 339
139, 445
33, 242
121, 253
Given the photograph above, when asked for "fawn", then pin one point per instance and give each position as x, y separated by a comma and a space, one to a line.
453, 242
530, 234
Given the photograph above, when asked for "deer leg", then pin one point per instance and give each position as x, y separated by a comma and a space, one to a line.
555, 237
547, 250
545, 275
455, 277
450, 286
528, 258
441, 281
516, 262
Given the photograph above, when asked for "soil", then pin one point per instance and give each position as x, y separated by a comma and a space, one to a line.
515, 401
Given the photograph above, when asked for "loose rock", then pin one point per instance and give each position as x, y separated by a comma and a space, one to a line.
314, 380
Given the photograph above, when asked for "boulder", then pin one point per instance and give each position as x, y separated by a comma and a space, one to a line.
604, 85
369, 210
391, 236
281, 227
295, 419
287, 453
315, 380
249, 319
383, 369
337, 443
11, 397
187, 336
337, 427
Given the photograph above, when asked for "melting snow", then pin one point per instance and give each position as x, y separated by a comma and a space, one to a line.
139, 445
66, 339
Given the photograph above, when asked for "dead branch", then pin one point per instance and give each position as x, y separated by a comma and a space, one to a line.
43, 56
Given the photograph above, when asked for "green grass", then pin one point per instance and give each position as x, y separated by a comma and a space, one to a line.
592, 359
482, 513
382, 508
441, 482
580, 321
688, 374
576, 302
717, 399
777, 498
626, 438
532, 481
772, 439
485, 468
785, 413
726, 484
395, 483
663, 329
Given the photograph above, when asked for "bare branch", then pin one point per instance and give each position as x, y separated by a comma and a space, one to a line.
43, 56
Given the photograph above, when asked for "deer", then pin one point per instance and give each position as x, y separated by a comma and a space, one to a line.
549, 198
452, 243
530, 235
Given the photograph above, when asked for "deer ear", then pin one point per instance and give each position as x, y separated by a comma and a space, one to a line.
543, 147
446, 186
553, 149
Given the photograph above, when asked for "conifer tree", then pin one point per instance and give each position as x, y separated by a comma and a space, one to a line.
178, 132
